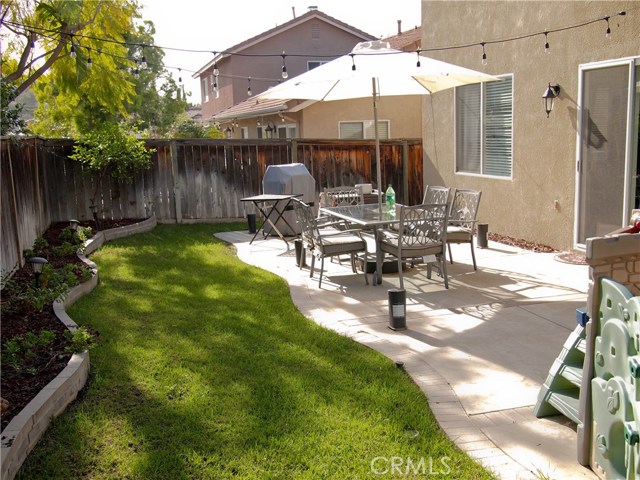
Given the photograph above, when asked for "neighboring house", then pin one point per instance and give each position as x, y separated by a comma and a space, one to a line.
306, 41
556, 180
399, 117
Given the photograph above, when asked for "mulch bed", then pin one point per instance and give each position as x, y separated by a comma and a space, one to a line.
517, 242
19, 386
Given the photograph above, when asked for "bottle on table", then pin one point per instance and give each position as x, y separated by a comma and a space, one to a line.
390, 196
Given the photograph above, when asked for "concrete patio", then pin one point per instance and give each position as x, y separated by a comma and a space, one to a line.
479, 351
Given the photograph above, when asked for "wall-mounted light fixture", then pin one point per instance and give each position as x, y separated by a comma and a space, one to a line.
549, 97
269, 130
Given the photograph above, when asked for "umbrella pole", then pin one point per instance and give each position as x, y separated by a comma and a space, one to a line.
375, 126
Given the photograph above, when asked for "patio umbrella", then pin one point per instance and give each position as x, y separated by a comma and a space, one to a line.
374, 69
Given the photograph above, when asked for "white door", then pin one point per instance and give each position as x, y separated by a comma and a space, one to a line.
607, 163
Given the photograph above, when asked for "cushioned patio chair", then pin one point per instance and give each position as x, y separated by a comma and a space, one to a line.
422, 232
323, 242
462, 219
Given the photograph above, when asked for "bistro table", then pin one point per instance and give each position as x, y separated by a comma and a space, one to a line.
370, 216
271, 205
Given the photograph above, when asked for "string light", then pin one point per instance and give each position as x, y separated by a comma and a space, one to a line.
284, 67
608, 31
32, 32
136, 73
249, 87
180, 76
546, 42
89, 62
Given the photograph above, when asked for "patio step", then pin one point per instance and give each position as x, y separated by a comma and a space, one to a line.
560, 393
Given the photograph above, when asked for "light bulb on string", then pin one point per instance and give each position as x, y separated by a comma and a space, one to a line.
249, 87
216, 71
484, 54
89, 61
180, 76
546, 43
136, 73
33, 41
418, 53
72, 51
284, 67
608, 31
144, 62
353, 61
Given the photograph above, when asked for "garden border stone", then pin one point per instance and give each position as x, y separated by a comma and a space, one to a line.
23, 432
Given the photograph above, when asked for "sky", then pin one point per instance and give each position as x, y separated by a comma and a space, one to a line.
216, 25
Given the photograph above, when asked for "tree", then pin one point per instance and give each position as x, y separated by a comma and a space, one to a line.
73, 51
11, 123
114, 151
189, 128
157, 103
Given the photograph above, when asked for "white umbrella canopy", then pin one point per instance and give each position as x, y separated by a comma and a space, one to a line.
374, 69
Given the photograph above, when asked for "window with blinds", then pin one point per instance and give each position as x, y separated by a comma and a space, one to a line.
484, 128
364, 130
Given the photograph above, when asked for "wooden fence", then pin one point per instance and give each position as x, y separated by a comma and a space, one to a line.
190, 180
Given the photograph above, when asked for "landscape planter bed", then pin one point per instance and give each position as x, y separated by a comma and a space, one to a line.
22, 433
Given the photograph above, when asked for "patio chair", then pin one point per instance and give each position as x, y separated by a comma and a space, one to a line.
462, 219
422, 232
341, 196
323, 242
436, 194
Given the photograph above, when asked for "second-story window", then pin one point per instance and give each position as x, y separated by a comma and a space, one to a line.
313, 64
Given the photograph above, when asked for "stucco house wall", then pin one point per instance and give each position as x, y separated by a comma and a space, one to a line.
537, 203
321, 120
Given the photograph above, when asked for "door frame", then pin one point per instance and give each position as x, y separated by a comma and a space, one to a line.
632, 62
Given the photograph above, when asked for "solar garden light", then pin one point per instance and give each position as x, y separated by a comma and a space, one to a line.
36, 265
73, 224
94, 212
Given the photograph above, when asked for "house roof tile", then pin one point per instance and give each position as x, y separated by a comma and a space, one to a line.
408, 41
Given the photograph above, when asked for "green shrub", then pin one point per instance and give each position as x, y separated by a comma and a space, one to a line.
80, 340
21, 349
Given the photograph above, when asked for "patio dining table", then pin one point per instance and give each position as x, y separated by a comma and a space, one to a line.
368, 216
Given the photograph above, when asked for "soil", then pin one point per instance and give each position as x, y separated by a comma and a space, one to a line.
20, 385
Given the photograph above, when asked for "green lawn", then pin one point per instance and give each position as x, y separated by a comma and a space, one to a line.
205, 369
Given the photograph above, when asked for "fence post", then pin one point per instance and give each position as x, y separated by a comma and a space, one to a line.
176, 181
405, 172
